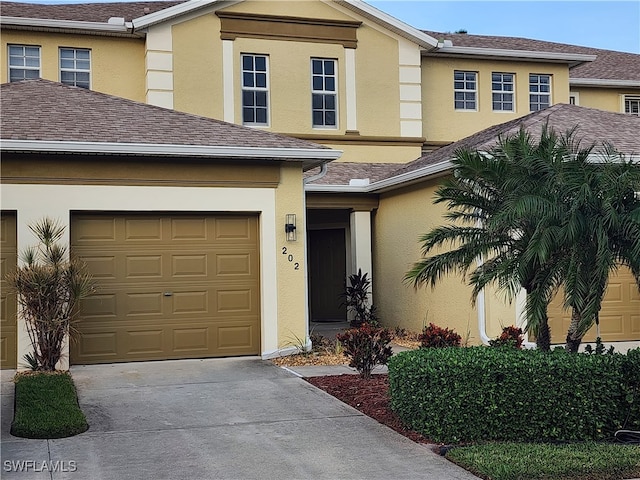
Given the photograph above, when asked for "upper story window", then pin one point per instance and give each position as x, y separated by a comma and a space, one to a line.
502, 88
24, 62
539, 92
255, 89
75, 67
465, 90
323, 93
632, 104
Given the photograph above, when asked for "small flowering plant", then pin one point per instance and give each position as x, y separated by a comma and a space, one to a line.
510, 337
434, 336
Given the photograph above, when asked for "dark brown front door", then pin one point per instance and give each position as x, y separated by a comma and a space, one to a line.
327, 274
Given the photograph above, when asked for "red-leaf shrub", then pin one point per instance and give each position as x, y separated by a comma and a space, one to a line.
366, 346
434, 336
510, 337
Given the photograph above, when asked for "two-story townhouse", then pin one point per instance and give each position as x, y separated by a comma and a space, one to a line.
342, 74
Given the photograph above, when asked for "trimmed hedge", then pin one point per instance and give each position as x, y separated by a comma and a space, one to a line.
454, 395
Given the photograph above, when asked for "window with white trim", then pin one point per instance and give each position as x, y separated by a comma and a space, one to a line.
539, 91
24, 62
502, 90
75, 67
632, 104
255, 89
465, 90
324, 104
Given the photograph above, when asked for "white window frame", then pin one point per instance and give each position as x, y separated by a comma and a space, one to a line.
75, 69
633, 100
505, 93
462, 87
536, 89
324, 92
23, 67
254, 89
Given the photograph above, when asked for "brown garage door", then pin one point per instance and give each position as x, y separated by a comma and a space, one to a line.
8, 331
169, 286
619, 316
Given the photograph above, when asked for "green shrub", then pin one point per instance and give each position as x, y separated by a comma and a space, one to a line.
434, 336
470, 394
366, 346
510, 337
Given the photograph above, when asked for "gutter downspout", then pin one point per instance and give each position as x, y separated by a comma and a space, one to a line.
323, 171
482, 319
317, 176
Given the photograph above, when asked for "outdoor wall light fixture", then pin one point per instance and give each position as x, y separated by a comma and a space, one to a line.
290, 227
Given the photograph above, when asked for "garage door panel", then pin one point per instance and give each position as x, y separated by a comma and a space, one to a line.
98, 305
189, 229
194, 265
619, 315
8, 300
241, 230
90, 231
191, 302
170, 286
237, 337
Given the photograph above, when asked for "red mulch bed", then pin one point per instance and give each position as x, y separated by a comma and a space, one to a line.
371, 397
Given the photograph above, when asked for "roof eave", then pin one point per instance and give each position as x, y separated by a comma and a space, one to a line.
310, 157
573, 59
397, 181
68, 25
176, 11
603, 82
391, 23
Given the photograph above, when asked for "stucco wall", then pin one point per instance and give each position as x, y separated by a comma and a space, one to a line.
402, 217
291, 274
199, 74
610, 99
117, 64
442, 123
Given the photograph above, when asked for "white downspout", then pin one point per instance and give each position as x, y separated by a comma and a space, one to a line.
482, 318
317, 176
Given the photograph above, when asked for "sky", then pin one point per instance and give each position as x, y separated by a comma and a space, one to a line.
610, 25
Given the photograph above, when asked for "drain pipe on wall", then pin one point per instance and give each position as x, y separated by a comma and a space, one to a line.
323, 171
317, 176
482, 318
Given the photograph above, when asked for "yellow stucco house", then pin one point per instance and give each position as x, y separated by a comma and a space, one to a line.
344, 117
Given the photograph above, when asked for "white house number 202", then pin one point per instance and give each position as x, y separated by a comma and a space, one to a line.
296, 265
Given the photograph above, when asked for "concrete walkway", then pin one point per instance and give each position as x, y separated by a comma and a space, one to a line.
216, 419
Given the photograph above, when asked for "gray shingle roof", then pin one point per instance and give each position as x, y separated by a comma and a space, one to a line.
85, 12
339, 173
593, 126
609, 65
49, 111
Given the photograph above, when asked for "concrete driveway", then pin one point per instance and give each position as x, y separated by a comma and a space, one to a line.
215, 419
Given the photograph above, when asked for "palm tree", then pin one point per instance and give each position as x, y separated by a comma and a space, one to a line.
601, 231
490, 198
540, 215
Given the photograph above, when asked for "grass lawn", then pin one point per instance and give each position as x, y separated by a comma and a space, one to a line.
529, 461
46, 406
